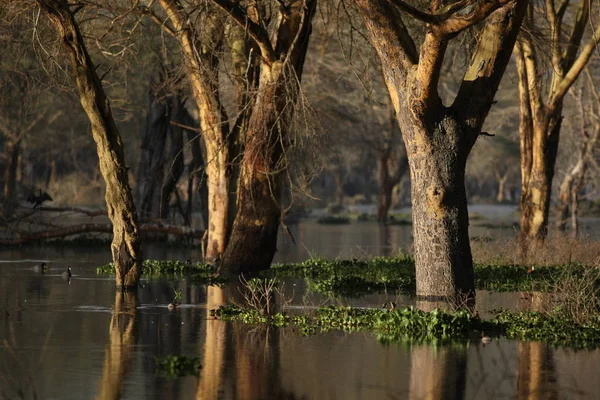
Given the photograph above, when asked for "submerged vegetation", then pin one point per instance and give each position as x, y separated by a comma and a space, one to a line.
173, 366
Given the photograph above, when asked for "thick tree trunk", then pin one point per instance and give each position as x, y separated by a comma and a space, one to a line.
438, 139
10, 183
126, 244
537, 180
439, 209
253, 240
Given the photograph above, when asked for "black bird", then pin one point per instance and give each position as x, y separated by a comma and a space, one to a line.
67, 274
39, 199
41, 268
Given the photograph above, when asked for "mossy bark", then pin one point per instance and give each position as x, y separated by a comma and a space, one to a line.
126, 243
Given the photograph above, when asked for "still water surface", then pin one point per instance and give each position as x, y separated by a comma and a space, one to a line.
83, 341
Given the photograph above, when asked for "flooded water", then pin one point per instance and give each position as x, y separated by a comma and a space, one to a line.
81, 340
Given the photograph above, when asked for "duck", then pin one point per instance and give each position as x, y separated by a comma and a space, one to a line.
67, 274
485, 339
172, 306
41, 268
530, 270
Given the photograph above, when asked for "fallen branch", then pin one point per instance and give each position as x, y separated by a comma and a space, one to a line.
99, 228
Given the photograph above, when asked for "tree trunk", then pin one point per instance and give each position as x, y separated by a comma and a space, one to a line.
537, 180
438, 139
439, 209
150, 170
126, 244
388, 181
253, 240
173, 167
338, 180
501, 186
10, 184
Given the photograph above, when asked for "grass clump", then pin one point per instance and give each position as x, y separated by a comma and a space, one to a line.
173, 366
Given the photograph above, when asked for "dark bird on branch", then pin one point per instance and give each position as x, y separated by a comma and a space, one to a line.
39, 199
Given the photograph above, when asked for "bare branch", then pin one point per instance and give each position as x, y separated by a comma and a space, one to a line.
578, 66
256, 31
163, 24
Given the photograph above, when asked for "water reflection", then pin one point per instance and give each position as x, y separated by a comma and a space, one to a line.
122, 337
438, 372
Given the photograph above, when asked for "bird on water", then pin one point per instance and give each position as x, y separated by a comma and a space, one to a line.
67, 274
41, 268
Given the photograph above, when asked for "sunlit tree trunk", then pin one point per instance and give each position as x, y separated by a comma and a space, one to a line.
253, 240
541, 115
126, 243
502, 178
438, 139
201, 61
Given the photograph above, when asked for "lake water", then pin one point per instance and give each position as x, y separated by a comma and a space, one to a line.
81, 340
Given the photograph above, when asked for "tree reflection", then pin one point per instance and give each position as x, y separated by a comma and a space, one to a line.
438, 372
122, 333
536, 368
239, 358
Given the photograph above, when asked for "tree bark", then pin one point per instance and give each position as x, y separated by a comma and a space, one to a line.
438, 139
150, 170
253, 240
202, 62
541, 118
126, 244
388, 181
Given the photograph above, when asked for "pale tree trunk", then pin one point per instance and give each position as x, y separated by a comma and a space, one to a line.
126, 244
10, 183
438, 139
201, 61
502, 178
574, 179
541, 117
253, 240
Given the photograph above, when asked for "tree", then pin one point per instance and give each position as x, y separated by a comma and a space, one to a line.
126, 244
253, 240
589, 132
541, 116
438, 138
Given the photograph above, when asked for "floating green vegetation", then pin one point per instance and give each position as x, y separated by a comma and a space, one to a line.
198, 272
173, 366
409, 325
355, 278
352, 278
334, 220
